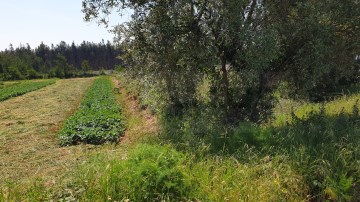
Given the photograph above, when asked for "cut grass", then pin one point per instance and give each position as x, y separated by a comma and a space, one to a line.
20, 88
28, 126
98, 120
58, 174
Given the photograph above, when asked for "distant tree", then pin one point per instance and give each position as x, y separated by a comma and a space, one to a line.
12, 73
85, 65
64, 59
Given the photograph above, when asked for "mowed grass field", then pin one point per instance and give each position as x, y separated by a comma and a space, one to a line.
33, 164
28, 131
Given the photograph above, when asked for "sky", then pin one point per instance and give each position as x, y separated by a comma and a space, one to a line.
49, 21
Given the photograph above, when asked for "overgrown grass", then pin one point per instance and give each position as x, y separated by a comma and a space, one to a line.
156, 173
20, 88
319, 140
345, 103
98, 120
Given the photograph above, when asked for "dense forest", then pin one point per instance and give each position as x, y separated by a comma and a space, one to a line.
62, 60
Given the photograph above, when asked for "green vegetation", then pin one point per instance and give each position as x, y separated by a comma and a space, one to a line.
314, 157
229, 101
318, 142
245, 50
20, 88
160, 173
98, 120
61, 61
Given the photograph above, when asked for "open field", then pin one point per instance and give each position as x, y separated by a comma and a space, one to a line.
28, 125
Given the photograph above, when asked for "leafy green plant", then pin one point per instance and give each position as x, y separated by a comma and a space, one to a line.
22, 88
98, 120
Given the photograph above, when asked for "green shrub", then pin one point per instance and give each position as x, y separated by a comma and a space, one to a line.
98, 120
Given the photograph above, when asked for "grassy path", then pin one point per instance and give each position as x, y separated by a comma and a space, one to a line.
28, 126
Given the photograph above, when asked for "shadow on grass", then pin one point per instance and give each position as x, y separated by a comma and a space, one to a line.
324, 149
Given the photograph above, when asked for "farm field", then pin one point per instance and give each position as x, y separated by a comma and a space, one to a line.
36, 168
220, 100
98, 119
13, 89
32, 160
28, 131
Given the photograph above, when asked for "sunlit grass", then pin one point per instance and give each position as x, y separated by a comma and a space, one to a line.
344, 103
28, 126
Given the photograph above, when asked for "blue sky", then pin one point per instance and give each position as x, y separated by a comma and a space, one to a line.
50, 21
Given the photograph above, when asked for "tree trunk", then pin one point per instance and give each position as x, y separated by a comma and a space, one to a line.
225, 87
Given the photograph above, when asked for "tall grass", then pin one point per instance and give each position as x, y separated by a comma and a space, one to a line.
320, 143
156, 173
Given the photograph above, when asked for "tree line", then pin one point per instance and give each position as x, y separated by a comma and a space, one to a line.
246, 49
62, 60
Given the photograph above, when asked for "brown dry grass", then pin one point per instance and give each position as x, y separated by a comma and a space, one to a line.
28, 127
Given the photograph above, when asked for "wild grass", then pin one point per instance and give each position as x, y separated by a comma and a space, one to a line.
342, 104
319, 141
156, 173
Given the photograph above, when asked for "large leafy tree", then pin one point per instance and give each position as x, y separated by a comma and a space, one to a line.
245, 47
319, 42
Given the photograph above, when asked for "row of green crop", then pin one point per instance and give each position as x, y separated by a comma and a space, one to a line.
17, 89
98, 119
